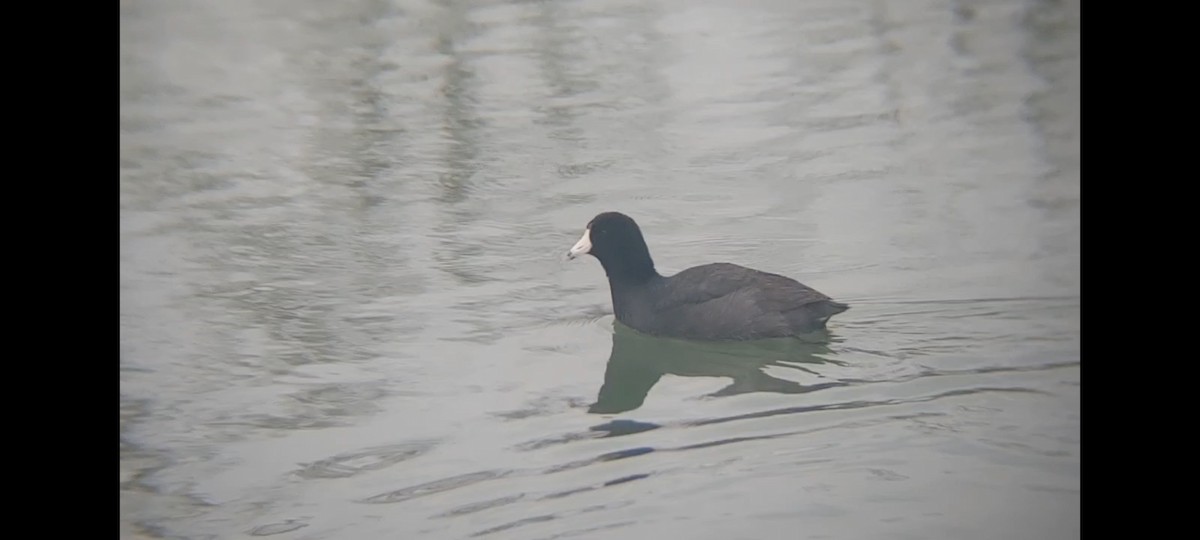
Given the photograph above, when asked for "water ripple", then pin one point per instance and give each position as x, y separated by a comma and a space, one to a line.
436, 486
371, 459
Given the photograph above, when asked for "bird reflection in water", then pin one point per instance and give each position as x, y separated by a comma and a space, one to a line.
638, 361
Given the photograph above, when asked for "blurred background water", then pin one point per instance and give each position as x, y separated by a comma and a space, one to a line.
345, 311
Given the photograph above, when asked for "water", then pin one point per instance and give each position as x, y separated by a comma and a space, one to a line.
345, 311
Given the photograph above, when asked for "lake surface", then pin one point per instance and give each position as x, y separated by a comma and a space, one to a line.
346, 311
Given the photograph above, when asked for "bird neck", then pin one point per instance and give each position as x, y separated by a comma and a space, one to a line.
630, 271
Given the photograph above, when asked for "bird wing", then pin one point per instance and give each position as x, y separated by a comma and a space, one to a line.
708, 284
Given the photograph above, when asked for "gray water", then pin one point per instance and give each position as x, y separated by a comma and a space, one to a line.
346, 314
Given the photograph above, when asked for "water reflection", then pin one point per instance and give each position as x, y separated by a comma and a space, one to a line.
638, 361
338, 225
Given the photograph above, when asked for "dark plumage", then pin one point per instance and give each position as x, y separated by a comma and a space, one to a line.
711, 302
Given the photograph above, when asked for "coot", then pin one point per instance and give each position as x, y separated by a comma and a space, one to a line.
711, 302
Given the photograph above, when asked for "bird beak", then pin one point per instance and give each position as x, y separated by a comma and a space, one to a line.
583, 246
